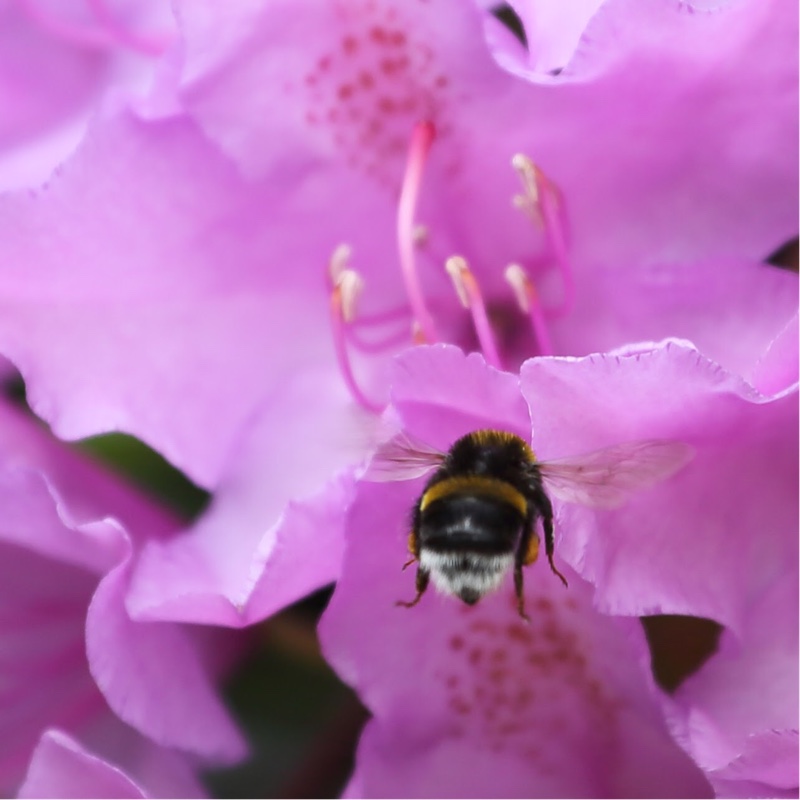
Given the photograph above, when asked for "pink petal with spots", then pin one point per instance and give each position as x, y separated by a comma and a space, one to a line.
473, 701
643, 73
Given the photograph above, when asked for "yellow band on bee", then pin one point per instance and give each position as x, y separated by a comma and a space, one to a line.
475, 484
489, 437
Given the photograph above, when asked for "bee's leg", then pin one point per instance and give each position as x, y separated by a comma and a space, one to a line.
527, 553
547, 524
518, 590
423, 576
413, 548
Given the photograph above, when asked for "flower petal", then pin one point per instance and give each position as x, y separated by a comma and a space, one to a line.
299, 450
732, 311
552, 32
643, 73
62, 768
474, 701
749, 740
151, 677
685, 546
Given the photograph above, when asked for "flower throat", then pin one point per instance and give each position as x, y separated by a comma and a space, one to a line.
540, 200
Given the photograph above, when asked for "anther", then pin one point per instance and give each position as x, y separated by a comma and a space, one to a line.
529, 200
541, 200
528, 299
346, 286
346, 281
469, 294
339, 262
407, 229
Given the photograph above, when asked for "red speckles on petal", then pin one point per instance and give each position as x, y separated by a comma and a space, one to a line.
511, 686
376, 82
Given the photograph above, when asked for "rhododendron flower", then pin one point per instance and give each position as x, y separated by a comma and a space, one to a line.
210, 293
62, 61
134, 693
472, 701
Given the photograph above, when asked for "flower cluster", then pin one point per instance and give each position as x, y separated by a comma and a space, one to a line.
291, 230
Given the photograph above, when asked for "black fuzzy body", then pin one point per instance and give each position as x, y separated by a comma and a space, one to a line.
477, 515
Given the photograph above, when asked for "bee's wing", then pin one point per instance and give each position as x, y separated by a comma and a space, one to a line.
607, 478
402, 458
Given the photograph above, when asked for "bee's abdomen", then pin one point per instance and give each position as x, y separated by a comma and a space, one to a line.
479, 523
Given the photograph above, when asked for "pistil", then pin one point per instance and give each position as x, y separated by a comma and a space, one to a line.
408, 230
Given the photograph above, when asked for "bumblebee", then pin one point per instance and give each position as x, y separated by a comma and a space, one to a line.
477, 516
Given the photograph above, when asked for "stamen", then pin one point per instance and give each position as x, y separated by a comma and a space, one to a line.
470, 295
542, 202
346, 287
528, 300
407, 237
350, 285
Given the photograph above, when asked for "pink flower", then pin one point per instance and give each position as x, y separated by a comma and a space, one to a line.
73, 658
473, 702
193, 309
62, 62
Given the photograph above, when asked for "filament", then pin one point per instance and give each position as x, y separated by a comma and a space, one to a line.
346, 288
469, 294
542, 201
528, 300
